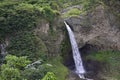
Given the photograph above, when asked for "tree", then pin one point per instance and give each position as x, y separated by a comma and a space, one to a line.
16, 62
49, 76
11, 69
9, 73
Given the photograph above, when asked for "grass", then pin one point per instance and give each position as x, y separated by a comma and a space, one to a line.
58, 68
111, 58
72, 12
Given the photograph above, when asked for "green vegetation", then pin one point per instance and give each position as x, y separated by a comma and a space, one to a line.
72, 13
49, 76
58, 68
18, 22
86, 5
18, 16
16, 68
12, 68
18, 19
35, 72
90, 4
65, 46
27, 44
53, 66
49, 14
111, 59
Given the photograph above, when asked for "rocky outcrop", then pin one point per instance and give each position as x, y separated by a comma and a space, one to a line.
51, 35
98, 28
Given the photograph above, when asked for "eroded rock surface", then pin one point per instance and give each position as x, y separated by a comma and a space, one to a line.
97, 28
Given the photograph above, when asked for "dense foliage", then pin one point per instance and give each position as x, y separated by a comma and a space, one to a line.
26, 44
110, 59
21, 15
18, 19
12, 68
49, 76
26, 59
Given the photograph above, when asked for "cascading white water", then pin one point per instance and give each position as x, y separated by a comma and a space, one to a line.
3, 52
76, 54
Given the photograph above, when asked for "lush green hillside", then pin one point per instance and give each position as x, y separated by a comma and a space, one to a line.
18, 19
27, 56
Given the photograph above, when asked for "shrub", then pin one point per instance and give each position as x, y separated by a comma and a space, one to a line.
89, 4
49, 76
27, 44
72, 12
9, 73
16, 17
111, 58
57, 67
16, 62
48, 13
11, 69
33, 74
36, 72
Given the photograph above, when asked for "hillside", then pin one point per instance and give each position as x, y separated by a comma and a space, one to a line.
34, 43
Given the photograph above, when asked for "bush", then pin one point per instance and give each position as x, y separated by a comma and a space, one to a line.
27, 44
111, 59
16, 17
48, 13
8, 73
89, 4
12, 68
58, 68
33, 74
72, 12
36, 71
16, 62
49, 76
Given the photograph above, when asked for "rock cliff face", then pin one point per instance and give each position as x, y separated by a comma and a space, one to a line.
98, 28
51, 35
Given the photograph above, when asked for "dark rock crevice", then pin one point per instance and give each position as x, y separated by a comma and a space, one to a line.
92, 67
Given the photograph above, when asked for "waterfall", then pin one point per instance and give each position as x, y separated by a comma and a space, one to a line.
3, 51
76, 54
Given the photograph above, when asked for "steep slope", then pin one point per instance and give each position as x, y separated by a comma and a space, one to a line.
98, 33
